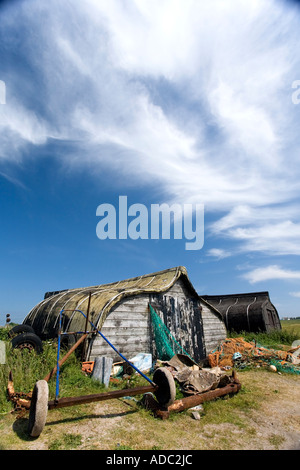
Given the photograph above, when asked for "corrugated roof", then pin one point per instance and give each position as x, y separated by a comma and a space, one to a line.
238, 301
45, 315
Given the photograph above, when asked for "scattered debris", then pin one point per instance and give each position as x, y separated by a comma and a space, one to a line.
196, 415
192, 401
117, 368
296, 343
193, 379
87, 367
196, 411
102, 369
142, 361
238, 353
197, 408
295, 351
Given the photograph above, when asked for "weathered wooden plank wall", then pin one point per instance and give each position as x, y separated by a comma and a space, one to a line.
127, 327
195, 326
213, 327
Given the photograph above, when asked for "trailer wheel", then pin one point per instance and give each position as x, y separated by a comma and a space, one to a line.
166, 386
15, 330
27, 341
38, 408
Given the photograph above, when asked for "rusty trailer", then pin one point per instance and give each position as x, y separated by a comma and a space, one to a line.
162, 387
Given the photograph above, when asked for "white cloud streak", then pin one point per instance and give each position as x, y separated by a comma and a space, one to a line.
194, 96
295, 294
271, 230
218, 253
269, 273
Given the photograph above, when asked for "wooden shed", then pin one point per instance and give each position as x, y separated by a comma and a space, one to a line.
121, 312
246, 312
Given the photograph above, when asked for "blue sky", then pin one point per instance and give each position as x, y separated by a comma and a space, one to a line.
168, 101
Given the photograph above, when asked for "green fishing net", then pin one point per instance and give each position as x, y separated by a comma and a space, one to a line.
286, 367
166, 344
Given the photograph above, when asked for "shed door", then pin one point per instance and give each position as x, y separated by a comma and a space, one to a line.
271, 319
183, 320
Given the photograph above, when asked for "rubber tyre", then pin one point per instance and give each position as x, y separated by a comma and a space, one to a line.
27, 341
38, 408
166, 392
67, 341
17, 329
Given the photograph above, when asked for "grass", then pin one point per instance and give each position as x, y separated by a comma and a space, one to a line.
28, 367
276, 339
68, 441
116, 425
224, 410
276, 440
292, 325
224, 422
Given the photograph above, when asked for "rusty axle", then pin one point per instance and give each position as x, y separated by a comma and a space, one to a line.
71, 401
189, 402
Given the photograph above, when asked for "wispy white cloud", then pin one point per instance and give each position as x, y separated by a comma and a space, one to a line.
295, 294
270, 272
280, 239
271, 230
12, 179
247, 215
218, 253
194, 97
19, 127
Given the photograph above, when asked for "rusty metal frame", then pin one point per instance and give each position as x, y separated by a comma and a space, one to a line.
83, 399
23, 401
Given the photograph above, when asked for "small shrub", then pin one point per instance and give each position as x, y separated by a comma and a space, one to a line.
4, 333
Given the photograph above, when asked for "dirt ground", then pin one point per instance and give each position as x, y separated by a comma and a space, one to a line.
279, 414
118, 424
